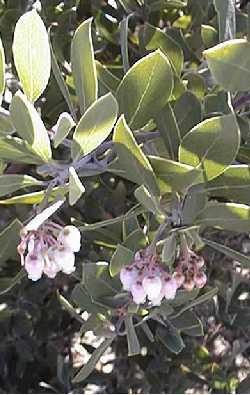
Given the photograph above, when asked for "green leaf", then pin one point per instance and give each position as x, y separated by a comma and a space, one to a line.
188, 323
35, 197
195, 84
154, 38
229, 216
149, 201
229, 63
6, 126
2, 70
169, 250
9, 239
61, 83
201, 147
82, 299
232, 254
209, 36
226, 18
132, 162
13, 149
141, 98
90, 365
109, 80
171, 339
124, 42
187, 111
76, 188
95, 125
134, 347
121, 257
243, 387
233, 184
13, 182
83, 65
63, 126
174, 176
32, 54
169, 130
6, 284
29, 126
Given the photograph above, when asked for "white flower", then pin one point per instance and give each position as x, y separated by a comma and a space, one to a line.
157, 301
65, 260
34, 265
152, 286
128, 276
51, 267
70, 237
170, 288
138, 293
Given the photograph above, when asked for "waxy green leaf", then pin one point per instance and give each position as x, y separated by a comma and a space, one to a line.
62, 128
201, 147
229, 63
76, 188
13, 182
95, 125
32, 54
29, 126
141, 98
121, 257
83, 66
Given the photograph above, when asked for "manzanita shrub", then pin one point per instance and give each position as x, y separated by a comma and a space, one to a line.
149, 98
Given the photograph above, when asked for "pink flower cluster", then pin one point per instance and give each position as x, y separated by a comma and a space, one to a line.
148, 280
49, 249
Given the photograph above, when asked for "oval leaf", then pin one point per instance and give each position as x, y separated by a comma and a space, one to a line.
76, 188
229, 63
2, 71
95, 125
32, 54
62, 128
202, 146
83, 65
29, 125
139, 97
13, 182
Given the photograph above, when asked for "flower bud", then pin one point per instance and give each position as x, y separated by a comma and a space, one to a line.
152, 286
200, 279
179, 278
128, 276
70, 237
34, 265
170, 288
65, 260
188, 285
138, 292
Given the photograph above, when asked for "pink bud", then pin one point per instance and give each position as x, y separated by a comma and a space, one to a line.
200, 279
179, 278
170, 288
152, 286
34, 265
188, 285
138, 293
70, 237
128, 276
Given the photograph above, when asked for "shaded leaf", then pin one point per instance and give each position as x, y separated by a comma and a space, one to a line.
9, 239
232, 254
76, 188
133, 342
2, 70
121, 257
187, 111
13, 182
90, 365
35, 197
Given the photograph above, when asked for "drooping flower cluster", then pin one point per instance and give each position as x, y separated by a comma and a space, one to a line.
148, 280
49, 249
189, 271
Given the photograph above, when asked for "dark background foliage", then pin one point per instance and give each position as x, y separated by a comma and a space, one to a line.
39, 347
